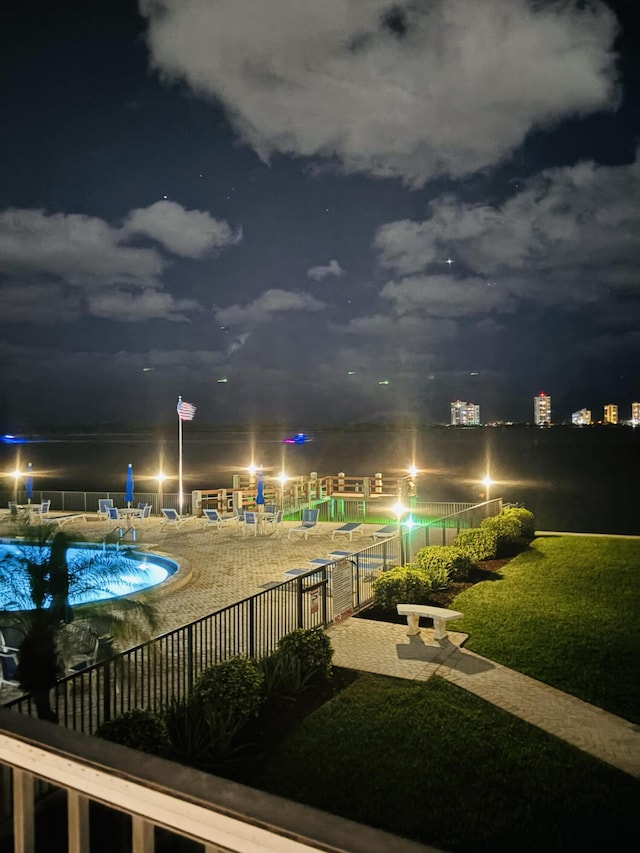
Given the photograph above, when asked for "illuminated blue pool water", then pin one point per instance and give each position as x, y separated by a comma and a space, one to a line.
135, 571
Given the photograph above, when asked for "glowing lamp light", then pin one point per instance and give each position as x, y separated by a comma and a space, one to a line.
252, 469
282, 478
399, 509
161, 477
412, 470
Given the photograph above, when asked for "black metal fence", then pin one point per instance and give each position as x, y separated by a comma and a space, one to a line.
151, 674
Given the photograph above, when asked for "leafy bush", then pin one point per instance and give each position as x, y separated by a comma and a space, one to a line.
525, 518
406, 584
508, 529
284, 675
233, 686
312, 648
480, 543
200, 734
140, 729
435, 560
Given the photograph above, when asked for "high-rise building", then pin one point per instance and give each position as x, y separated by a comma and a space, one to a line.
635, 414
611, 413
465, 414
581, 418
542, 409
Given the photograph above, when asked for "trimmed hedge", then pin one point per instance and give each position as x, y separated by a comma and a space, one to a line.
408, 584
480, 543
436, 559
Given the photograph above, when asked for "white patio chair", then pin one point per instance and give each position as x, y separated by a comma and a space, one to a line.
103, 508
274, 522
250, 523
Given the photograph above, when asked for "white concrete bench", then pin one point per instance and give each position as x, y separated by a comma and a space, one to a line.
440, 615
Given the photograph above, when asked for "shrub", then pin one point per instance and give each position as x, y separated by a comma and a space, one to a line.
525, 518
283, 675
233, 686
406, 584
434, 560
200, 734
508, 529
312, 648
480, 543
140, 729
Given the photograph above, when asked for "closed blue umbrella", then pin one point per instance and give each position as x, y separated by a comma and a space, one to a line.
128, 493
260, 491
28, 483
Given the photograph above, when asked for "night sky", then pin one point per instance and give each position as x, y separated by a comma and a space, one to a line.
317, 212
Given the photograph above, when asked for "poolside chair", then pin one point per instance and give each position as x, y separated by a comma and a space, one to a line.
13, 510
309, 523
250, 523
213, 518
113, 514
103, 507
347, 530
40, 511
273, 522
8, 660
172, 518
385, 532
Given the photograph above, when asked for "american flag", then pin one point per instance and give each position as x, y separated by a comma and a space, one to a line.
186, 411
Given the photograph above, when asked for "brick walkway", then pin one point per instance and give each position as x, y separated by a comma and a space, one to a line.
219, 567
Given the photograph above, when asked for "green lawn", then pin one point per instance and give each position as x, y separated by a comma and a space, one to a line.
567, 612
434, 763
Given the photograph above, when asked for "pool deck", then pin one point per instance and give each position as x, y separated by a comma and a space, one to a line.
220, 567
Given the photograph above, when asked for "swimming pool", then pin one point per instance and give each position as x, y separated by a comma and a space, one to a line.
136, 571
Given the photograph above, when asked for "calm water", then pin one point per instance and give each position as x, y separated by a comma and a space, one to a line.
572, 479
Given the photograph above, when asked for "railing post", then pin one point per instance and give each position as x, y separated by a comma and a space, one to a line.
106, 697
252, 625
190, 658
300, 619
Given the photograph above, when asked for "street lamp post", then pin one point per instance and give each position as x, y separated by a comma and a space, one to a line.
160, 477
282, 479
16, 476
400, 510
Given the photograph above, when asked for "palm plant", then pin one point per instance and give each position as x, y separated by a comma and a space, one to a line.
36, 583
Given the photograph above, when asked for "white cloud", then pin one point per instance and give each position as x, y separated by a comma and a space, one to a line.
446, 296
145, 305
59, 265
321, 272
453, 88
82, 250
189, 233
569, 237
270, 303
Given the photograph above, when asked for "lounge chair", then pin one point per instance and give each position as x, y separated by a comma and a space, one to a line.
103, 508
213, 517
347, 530
385, 532
309, 523
172, 518
250, 523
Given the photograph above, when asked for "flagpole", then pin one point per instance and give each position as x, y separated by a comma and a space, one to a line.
180, 493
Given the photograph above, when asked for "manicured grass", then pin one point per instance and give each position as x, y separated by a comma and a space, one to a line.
431, 762
566, 612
